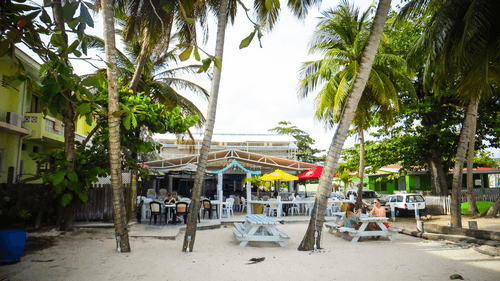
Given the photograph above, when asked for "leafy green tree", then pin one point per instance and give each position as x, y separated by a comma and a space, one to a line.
258, 182
26, 24
305, 152
484, 159
460, 44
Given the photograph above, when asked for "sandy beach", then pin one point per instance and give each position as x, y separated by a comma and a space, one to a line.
90, 254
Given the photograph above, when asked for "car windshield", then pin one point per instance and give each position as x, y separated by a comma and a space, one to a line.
371, 195
414, 198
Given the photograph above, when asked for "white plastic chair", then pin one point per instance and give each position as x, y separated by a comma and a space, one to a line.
151, 193
227, 209
295, 206
309, 206
163, 192
243, 204
273, 206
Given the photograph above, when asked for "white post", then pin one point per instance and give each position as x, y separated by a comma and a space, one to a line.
249, 195
279, 207
220, 177
393, 213
417, 216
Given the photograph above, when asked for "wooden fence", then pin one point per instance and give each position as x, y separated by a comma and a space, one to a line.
100, 205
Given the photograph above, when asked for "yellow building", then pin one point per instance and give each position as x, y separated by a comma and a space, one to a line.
23, 128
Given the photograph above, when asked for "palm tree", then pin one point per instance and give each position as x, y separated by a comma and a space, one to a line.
151, 23
158, 81
461, 42
299, 7
121, 232
341, 35
318, 214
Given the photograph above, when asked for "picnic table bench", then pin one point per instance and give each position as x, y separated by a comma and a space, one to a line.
361, 232
259, 228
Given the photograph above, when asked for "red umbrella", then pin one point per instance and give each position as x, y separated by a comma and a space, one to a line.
313, 173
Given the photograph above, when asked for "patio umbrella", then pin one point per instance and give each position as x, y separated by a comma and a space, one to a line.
279, 176
313, 173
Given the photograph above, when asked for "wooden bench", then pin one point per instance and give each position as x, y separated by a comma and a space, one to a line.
283, 235
331, 226
393, 229
259, 228
239, 229
348, 229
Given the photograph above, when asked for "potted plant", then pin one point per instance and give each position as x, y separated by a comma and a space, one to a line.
12, 228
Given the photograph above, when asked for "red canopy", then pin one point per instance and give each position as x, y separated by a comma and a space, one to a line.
313, 173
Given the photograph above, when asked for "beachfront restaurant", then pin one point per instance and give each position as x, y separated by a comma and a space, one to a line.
225, 173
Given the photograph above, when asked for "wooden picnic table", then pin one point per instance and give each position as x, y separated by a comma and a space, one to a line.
259, 228
365, 221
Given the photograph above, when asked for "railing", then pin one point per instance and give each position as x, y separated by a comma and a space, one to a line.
442, 204
439, 205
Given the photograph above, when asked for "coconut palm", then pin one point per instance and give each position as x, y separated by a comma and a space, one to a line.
299, 8
461, 44
310, 240
159, 81
341, 35
121, 232
151, 23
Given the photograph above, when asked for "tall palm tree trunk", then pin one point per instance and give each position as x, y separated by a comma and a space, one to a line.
470, 120
311, 240
359, 199
121, 231
473, 211
141, 62
190, 234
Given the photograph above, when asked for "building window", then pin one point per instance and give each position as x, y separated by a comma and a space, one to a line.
23, 146
35, 149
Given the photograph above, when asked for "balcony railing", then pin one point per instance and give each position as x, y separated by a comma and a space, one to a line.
46, 128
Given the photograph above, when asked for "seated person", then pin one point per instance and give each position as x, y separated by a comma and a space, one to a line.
351, 219
377, 211
170, 199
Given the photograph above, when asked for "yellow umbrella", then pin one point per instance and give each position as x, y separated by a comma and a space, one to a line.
279, 175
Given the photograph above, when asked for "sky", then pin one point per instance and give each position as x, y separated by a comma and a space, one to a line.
259, 85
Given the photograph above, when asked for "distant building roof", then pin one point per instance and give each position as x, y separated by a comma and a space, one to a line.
237, 139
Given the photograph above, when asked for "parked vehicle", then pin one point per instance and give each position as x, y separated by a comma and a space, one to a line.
368, 197
405, 204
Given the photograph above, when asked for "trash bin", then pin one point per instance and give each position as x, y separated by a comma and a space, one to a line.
257, 208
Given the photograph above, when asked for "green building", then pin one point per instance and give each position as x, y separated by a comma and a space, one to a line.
23, 126
387, 180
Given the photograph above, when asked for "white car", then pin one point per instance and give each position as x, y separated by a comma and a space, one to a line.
406, 203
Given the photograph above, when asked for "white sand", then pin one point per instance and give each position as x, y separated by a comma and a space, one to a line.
91, 255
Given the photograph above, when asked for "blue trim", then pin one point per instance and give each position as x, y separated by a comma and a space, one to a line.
237, 164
